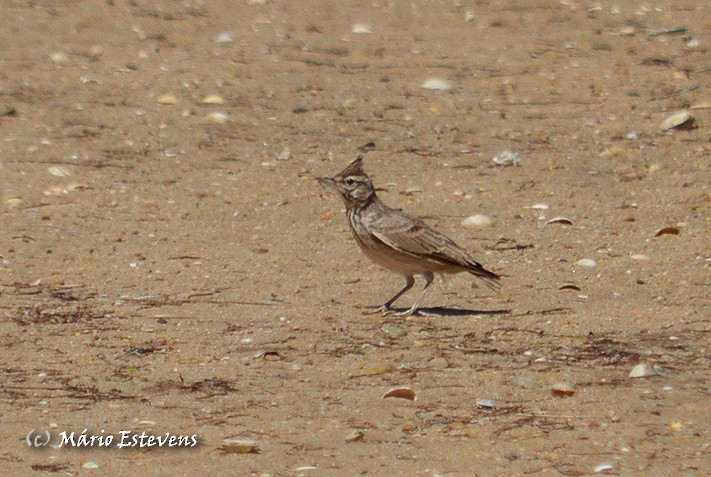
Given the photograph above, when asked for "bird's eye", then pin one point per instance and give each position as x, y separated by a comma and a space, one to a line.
350, 181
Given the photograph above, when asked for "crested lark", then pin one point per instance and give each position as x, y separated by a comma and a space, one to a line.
394, 240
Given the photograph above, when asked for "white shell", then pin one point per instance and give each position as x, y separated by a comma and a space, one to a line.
478, 221
679, 120
437, 84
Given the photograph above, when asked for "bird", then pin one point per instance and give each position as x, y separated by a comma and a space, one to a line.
396, 241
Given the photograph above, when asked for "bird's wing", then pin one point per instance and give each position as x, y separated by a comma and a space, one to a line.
413, 237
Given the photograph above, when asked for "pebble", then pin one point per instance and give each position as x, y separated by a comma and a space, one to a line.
284, 155
639, 256
507, 158
587, 262
437, 84
679, 120
90, 465
393, 331
479, 221
58, 57
627, 30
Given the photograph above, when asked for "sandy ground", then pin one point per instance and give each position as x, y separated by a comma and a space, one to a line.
163, 272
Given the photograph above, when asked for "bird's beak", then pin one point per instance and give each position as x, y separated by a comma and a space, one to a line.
327, 181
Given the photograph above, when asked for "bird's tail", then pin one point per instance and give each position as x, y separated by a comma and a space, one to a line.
490, 279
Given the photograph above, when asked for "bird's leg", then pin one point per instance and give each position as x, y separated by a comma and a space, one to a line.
429, 277
386, 307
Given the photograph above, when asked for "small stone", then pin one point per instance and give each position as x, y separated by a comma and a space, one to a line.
507, 158
284, 155
627, 30
90, 465
639, 256
479, 221
58, 57
393, 331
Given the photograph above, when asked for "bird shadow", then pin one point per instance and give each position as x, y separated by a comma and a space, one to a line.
447, 311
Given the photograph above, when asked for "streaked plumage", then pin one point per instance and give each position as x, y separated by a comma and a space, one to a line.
392, 239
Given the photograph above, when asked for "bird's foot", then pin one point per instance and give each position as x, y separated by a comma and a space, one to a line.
381, 310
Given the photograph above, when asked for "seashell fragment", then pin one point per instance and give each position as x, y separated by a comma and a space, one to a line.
354, 436
679, 120
213, 99
603, 467
216, 117
402, 393
59, 171
642, 370
234, 445
560, 220
563, 389
169, 99
224, 37
437, 84
486, 403
569, 287
361, 28
479, 221
587, 263
667, 231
